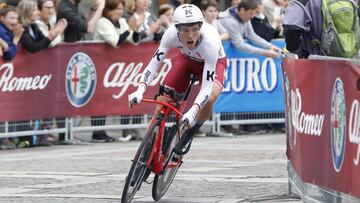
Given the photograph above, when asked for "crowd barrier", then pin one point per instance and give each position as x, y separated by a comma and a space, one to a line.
323, 127
79, 80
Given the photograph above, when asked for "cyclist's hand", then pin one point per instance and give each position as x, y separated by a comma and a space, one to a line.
188, 121
188, 118
275, 48
136, 97
271, 53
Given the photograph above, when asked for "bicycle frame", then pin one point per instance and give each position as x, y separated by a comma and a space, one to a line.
155, 153
157, 160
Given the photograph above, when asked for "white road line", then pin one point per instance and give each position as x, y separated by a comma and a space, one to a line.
87, 196
81, 179
117, 197
70, 179
58, 153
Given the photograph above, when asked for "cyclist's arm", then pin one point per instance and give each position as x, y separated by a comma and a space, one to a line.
151, 69
208, 77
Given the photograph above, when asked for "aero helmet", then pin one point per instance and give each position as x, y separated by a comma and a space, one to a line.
187, 14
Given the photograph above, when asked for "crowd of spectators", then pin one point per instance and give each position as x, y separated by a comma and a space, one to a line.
38, 24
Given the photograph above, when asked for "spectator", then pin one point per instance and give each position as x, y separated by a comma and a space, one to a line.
33, 40
273, 10
47, 21
10, 31
114, 30
262, 26
149, 26
303, 23
237, 21
112, 27
77, 23
165, 14
211, 12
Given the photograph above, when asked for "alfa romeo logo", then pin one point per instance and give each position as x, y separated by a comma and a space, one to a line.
338, 124
80, 79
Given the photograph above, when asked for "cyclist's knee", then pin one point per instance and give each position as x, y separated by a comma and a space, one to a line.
216, 91
212, 99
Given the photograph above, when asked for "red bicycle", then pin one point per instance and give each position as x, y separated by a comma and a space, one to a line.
155, 153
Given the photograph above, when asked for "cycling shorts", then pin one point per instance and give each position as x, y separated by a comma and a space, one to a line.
179, 75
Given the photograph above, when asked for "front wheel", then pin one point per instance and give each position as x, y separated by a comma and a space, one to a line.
138, 168
163, 180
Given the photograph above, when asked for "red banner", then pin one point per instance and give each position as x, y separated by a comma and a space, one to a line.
323, 122
76, 79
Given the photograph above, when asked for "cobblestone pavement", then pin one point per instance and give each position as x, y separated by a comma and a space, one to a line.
217, 169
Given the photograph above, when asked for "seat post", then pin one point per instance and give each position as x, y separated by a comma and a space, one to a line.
193, 79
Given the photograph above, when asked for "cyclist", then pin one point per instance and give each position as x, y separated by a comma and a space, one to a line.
201, 54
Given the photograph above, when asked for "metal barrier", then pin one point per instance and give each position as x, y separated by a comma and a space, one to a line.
33, 127
71, 126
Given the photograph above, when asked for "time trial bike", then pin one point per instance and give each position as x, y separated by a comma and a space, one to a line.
155, 153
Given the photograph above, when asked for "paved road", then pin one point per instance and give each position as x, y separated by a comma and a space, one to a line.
217, 169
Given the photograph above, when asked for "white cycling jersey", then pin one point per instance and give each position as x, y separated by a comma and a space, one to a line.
208, 50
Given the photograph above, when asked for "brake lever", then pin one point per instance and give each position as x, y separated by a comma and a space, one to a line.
132, 102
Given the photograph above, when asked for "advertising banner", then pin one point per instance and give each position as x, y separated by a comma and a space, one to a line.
323, 122
76, 79
89, 79
252, 83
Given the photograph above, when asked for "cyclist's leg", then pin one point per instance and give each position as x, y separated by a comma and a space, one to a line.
172, 80
217, 87
184, 144
206, 110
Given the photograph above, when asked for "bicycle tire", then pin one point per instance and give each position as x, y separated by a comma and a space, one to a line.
132, 186
163, 180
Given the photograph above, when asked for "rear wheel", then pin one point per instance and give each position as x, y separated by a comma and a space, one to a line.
138, 168
163, 180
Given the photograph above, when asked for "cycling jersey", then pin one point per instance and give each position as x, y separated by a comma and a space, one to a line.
208, 51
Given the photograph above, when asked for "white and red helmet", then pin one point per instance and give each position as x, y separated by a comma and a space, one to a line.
187, 14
